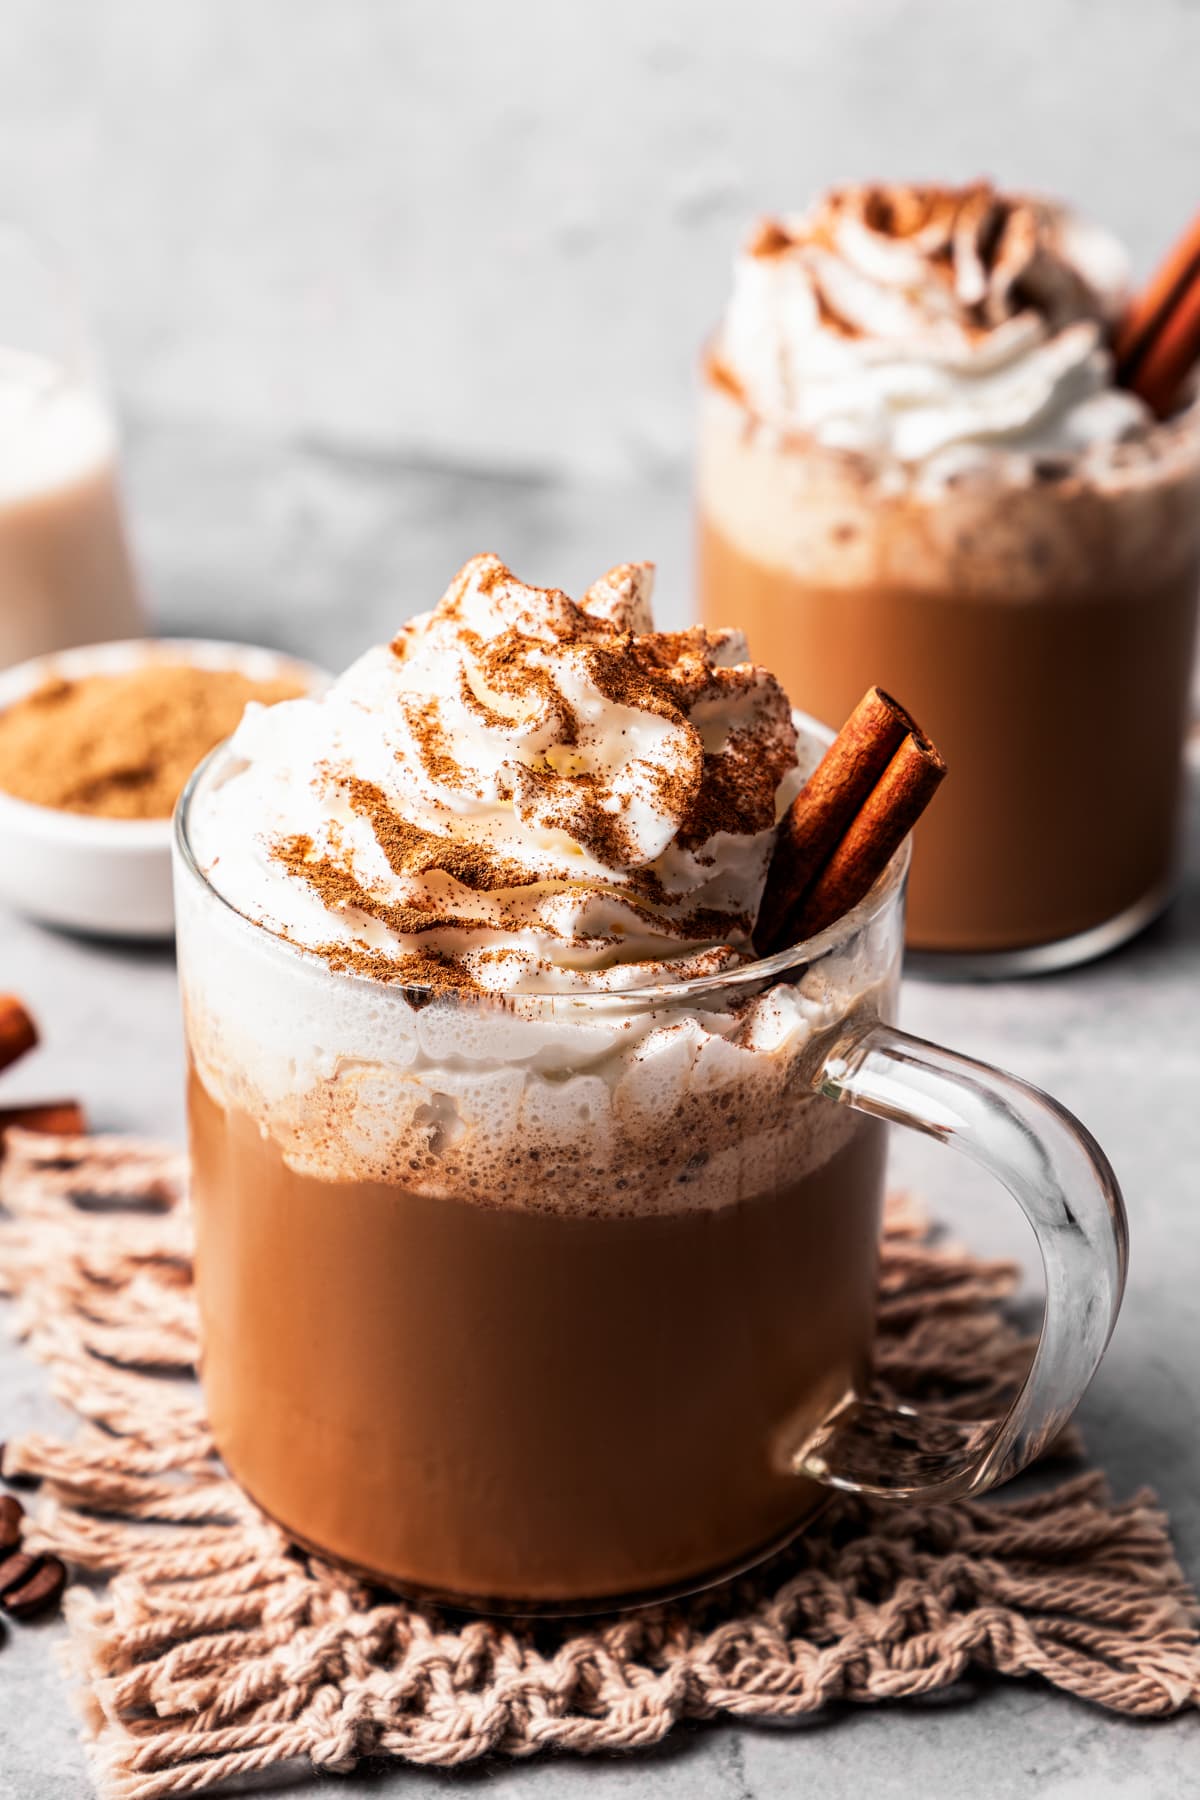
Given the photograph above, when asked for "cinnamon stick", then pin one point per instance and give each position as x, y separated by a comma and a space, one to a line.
1160, 294
891, 810
1159, 340
60, 1118
1172, 354
18, 1033
823, 810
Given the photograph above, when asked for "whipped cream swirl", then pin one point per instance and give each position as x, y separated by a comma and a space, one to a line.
520, 792
932, 326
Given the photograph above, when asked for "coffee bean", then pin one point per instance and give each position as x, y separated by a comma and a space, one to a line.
11, 1514
40, 1593
14, 1569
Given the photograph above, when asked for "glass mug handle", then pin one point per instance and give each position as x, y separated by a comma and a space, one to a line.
1062, 1181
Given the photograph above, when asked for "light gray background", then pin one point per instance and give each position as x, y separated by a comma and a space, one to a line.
358, 260
384, 282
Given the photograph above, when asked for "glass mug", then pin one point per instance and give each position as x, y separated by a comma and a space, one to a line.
66, 575
554, 1302
1043, 632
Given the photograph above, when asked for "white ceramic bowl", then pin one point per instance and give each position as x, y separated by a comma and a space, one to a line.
107, 876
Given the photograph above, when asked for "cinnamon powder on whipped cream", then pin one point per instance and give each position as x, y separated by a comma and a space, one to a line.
122, 745
521, 791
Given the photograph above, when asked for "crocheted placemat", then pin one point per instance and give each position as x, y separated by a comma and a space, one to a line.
206, 1648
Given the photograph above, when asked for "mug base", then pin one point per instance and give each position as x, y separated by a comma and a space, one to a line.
1041, 959
582, 1607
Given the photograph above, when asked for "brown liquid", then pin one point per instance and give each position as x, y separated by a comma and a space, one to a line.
65, 571
1061, 718
497, 1402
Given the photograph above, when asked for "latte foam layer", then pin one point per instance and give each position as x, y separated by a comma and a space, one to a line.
55, 432
586, 1103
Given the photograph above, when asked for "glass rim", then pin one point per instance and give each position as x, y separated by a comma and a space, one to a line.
886, 891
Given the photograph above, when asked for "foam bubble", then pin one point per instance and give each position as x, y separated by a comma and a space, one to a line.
841, 523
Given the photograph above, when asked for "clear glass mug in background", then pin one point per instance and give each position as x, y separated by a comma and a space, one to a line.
66, 577
556, 1301
1043, 633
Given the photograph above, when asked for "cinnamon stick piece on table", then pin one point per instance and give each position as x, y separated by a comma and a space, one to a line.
18, 1033
848, 820
60, 1118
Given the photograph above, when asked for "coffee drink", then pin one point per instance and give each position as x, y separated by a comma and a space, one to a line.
529, 1254
65, 571
915, 469
528, 1401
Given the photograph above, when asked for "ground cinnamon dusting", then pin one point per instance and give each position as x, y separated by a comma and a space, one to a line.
339, 890
554, 690
416, 968
995, 254
410, 850
122, 745
737, 790
433, 747
507, 666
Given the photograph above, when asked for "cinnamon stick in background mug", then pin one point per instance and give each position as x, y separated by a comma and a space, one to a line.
1158, 343
487, 1076
18, 1033
920, 464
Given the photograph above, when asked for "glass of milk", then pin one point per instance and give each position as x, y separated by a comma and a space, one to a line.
66, 576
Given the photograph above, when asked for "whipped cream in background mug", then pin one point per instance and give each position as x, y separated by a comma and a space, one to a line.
935, 327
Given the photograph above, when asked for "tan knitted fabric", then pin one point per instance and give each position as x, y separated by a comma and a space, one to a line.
206, 1649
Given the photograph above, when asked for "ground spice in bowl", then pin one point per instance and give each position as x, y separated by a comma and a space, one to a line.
121, 745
